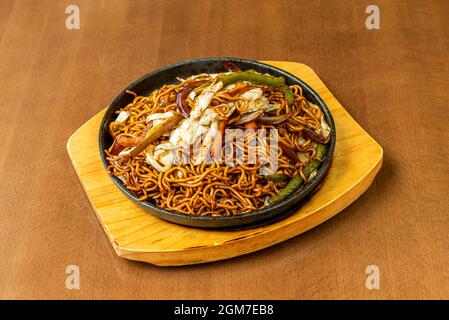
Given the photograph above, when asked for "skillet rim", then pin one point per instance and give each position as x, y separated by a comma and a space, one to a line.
242, 220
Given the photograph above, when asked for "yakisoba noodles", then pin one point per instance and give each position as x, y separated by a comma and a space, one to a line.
154, 135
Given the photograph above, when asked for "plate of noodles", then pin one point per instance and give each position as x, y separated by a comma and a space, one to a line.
218, 142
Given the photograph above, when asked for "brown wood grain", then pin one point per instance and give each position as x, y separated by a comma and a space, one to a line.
393, 81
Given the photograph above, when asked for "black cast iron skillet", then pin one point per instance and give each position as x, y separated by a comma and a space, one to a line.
167, 75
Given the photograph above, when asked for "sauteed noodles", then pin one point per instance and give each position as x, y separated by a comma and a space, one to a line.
218, 144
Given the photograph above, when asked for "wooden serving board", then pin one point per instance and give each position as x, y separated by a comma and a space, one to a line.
137, 235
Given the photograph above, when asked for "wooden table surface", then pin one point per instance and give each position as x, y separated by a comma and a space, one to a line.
393, 81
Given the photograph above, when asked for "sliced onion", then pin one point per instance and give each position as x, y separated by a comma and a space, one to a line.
204, 99
157, 116
162, 160
274, 119
239, 90
303, 157
213, 129
121, 178
122, 116
192, 95
271, 107
301, 139
252, 94
208, 117
125, 152
248, 117
182, 96
314, 106
325, 127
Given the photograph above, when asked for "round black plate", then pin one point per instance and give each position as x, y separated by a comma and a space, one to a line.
167, 75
